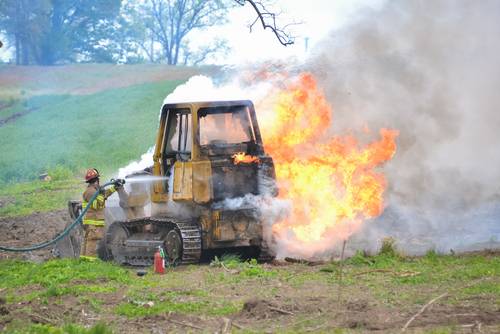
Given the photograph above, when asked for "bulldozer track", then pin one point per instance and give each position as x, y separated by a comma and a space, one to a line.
191, 238
189, 232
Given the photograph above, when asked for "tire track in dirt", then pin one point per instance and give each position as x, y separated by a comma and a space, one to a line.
15, 116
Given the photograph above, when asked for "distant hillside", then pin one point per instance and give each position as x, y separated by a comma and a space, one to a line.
80, 115
18, 81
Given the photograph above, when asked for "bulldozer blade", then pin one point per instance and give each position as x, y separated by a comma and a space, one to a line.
69, 246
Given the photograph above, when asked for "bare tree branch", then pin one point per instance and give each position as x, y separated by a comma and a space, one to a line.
195, 57
268, 21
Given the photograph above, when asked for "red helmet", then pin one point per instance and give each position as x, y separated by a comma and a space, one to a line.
91, 174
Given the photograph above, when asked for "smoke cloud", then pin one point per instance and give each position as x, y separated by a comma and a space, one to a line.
137, 166
431, 71
201, 88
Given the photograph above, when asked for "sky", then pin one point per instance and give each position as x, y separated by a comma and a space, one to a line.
316, 18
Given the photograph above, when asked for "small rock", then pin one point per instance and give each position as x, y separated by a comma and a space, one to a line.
141, 272
148, 304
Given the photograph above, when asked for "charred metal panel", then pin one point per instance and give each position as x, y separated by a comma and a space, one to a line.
241, 227
230, 181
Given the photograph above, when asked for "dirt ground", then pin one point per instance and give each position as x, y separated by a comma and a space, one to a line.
29, 230
299, 298
310, 308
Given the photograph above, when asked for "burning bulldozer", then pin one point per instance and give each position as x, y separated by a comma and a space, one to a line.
205, 153
208, 154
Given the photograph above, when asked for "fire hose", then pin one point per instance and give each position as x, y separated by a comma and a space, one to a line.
66, 231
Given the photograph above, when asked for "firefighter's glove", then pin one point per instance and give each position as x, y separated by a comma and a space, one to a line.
118, 183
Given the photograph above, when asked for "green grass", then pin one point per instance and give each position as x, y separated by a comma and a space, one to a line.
53, 273
39, 196
439, 269
179, 300
94, 303
64, 290
76, 290
134, 309
10, 107
67, 329
245, 269
461, 276
107, 130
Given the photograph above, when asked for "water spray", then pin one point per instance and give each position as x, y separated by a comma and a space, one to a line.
145, 179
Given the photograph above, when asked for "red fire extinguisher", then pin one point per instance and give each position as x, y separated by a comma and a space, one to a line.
159, 261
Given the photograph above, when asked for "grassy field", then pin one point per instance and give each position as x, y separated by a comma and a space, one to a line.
107, 130
80, 115
379, 293
22, 199
61, 120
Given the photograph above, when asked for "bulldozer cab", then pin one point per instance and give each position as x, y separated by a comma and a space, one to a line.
193, 135
226, 130
178, 140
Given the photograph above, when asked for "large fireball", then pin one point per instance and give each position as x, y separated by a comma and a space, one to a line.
332, 182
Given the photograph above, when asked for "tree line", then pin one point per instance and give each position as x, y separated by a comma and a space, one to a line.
49, 32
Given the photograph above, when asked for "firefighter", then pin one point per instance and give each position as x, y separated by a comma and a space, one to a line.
93, 222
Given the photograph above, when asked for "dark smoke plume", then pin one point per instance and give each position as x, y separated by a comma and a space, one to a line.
430, 69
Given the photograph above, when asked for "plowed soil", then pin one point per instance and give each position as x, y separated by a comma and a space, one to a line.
30, 230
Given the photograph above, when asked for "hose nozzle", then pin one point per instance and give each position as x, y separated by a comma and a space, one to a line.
118, 183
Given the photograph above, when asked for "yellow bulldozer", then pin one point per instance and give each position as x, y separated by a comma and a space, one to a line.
207, 154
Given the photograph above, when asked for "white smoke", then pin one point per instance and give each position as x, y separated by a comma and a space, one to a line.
201, 88
430, 70
137, 166
271, 210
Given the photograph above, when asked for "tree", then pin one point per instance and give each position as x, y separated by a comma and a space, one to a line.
131, 38
49, 31
195, 57
22, 22
170, 21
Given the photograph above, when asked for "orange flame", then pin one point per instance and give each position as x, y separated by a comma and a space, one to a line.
332, 182
242, 158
